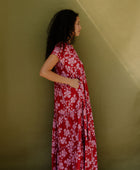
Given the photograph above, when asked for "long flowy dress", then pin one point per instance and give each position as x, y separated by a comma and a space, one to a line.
73, 135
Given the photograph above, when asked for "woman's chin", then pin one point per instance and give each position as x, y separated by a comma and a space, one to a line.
77, 35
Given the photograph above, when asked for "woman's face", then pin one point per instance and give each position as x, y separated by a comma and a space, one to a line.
77, 26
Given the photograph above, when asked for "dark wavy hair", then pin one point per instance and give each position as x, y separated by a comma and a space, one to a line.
60, 29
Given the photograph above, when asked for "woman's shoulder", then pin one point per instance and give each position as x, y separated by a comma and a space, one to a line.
63, 45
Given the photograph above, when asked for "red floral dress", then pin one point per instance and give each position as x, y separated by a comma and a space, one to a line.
73, 135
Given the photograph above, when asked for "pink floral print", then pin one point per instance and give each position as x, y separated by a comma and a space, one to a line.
73, 134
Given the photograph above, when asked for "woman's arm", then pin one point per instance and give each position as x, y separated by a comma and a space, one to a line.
46, 72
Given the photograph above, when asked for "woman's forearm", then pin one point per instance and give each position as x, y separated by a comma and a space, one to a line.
50, 75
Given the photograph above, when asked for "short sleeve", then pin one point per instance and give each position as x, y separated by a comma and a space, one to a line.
59, 51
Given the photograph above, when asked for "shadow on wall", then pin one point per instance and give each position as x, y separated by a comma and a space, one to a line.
27, 100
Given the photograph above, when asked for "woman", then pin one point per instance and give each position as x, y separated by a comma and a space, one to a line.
73, 136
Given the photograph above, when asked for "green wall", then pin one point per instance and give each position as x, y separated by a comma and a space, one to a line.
27, 99
112, 65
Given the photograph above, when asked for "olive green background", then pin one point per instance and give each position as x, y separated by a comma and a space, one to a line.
109, 48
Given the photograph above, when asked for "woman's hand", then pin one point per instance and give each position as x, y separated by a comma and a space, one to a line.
74, 83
